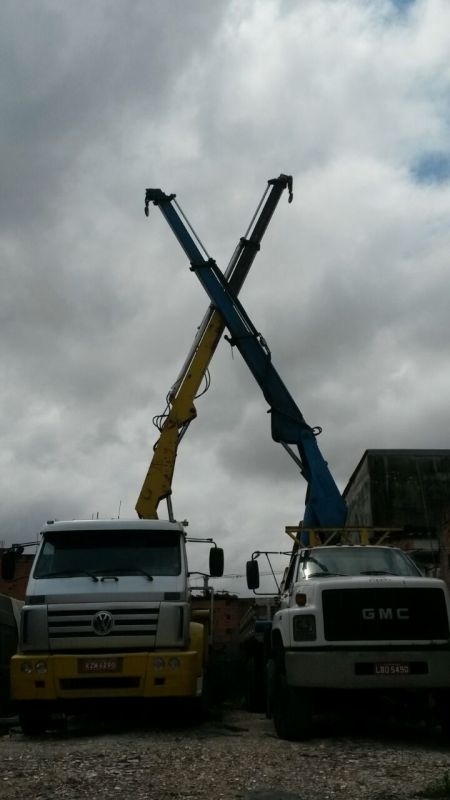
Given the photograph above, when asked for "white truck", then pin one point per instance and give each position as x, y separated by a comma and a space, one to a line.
334, 627
107, 617
357, 625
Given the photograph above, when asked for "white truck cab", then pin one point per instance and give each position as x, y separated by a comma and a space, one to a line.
359, 619
107, 616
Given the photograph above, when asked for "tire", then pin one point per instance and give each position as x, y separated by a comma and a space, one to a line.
188, 711
443, 712
270, 687
254, 685
291, 710
197, 709
33, 721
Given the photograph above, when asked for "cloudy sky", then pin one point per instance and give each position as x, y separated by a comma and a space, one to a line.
102, 99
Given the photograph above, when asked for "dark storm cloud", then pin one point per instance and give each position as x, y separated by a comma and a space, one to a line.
98, 306
76, 75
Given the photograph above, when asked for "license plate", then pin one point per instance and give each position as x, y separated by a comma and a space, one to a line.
392, 668
101, 665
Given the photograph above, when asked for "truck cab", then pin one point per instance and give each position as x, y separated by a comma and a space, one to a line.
107, 616
362, 619
130, 567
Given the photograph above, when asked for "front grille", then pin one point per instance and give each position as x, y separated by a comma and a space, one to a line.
99, 683
385, 614
414, 668
126, 622
73, 626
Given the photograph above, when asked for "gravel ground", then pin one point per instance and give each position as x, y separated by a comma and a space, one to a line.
236, 756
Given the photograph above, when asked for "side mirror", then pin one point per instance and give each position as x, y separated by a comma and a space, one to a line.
216, 562
8, 565
252, 574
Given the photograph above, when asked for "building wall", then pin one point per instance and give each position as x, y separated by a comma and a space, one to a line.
408, 489
227, 610
398, 488
225, 669
17, 587
445, 546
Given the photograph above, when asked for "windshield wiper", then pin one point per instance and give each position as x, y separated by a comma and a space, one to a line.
139, 571
95, 573
326, 574
125, 571
377, 572
69, 573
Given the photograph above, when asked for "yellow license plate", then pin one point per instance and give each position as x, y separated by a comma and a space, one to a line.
99, 665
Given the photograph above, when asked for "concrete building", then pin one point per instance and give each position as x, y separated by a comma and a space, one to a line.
17, 586
226, 613
408, 489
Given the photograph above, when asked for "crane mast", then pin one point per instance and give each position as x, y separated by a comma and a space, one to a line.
181, 398
324, 502
324, 505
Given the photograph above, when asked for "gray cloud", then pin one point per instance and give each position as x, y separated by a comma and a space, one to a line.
98, 306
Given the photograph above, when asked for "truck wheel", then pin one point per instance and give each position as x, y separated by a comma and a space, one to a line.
270, 687
33, 721
254, 688
196, 709
443, 713
291, 710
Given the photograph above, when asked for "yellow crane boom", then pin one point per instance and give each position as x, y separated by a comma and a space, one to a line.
181, 410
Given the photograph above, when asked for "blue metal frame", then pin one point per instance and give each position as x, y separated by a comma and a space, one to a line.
324, 505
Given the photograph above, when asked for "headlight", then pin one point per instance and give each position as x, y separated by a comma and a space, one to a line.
301, 599
159, 663
34, 666
304, 627
174, 663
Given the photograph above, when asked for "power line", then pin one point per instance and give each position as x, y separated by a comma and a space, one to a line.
262, 574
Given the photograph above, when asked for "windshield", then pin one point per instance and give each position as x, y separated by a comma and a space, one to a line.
356, 561
109, 552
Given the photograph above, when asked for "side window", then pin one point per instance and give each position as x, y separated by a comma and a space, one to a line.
289, 574
46, 559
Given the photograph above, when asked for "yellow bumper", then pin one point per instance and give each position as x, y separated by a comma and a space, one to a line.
83, 676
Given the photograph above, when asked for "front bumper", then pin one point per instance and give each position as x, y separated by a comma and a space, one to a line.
144, 675
355, 669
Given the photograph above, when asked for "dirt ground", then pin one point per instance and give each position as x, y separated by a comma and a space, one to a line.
234, 756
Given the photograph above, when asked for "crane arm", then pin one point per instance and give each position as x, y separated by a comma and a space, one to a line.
180, 400
324, 503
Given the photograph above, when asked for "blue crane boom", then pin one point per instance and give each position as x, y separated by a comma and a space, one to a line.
180, 410
324, 505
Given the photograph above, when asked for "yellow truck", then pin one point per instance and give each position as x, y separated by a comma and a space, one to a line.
9, 627
107, 617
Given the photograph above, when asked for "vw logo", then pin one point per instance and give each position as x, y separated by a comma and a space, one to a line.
102, 622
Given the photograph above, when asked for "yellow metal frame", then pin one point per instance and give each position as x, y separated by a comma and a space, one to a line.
160, 673
158, 481
361, 534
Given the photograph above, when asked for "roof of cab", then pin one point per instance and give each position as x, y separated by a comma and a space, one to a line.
112, 524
